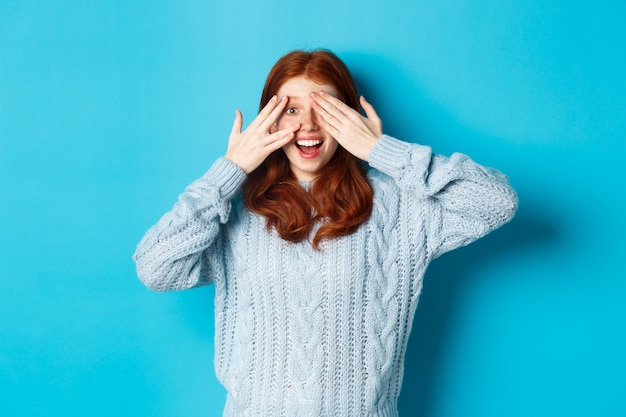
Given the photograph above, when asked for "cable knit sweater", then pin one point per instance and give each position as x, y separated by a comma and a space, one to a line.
322, 333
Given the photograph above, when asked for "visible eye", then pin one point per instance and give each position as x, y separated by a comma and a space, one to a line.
290, 110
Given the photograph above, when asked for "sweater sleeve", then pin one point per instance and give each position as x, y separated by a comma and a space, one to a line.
171, 255
462, 200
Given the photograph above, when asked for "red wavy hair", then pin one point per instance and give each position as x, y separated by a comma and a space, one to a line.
341, 198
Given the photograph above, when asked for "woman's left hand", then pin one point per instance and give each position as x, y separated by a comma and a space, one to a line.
356, 133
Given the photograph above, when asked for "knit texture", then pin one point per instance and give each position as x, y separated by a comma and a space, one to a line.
322, 333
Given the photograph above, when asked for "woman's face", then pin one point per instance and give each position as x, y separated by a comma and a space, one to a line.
312, 147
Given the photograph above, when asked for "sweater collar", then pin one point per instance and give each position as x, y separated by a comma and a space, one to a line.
306, 185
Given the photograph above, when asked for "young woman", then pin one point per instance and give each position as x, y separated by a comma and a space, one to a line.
317, 257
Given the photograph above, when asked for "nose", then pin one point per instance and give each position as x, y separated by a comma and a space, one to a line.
308, 120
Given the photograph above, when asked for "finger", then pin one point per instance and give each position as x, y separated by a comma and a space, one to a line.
330, 123
340, 110
369, 109
279, 139
328, 113
325, 115
331, 104
237, 123
288, 131
341, 107
265, 112
275, 114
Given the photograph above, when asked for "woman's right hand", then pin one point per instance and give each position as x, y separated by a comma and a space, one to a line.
248, 149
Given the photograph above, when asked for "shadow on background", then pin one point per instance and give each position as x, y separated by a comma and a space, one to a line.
410, 115
443, 284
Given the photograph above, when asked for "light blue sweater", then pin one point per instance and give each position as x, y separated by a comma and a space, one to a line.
306, 333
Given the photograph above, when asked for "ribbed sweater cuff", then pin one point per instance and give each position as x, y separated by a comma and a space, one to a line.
389, 155
226, 176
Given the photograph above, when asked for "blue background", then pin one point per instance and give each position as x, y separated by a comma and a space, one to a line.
109, 108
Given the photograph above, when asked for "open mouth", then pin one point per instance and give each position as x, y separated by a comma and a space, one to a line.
309, 147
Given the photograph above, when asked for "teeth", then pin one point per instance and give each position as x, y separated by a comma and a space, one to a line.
308, 142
